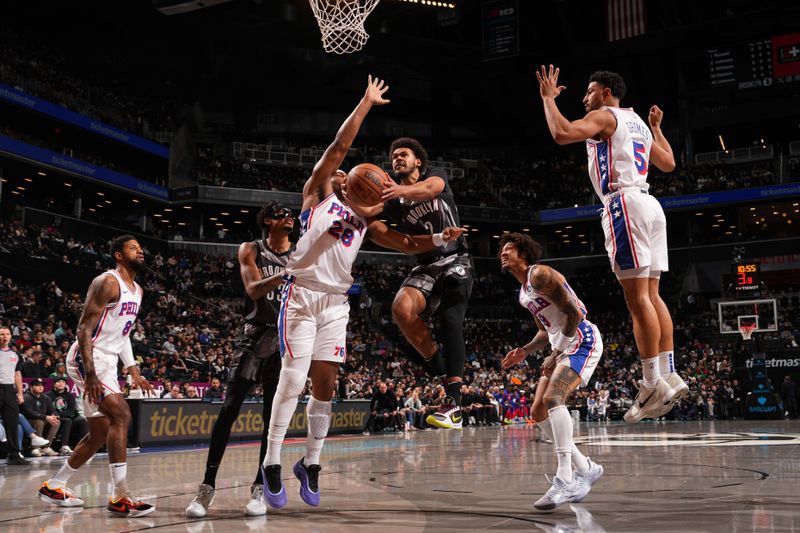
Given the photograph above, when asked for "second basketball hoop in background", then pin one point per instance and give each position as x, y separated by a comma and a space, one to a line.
341, 23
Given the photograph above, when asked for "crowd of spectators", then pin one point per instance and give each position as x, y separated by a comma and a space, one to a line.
38, 69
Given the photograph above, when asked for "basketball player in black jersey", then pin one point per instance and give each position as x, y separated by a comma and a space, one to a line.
256, 359
422, 203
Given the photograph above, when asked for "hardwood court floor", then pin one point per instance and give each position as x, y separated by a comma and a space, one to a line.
682, 477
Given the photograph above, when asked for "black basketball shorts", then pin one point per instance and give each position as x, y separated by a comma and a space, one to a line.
431, 279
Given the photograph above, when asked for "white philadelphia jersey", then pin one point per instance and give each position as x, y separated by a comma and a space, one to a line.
111, 333
623, 159
540, 306
330, 237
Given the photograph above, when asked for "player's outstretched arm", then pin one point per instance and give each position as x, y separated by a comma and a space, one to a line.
594, 124
318, 185
550, 283
103, 290
660, 152
255, 286
383, 235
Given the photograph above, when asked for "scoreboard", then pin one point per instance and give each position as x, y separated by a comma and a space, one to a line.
758, 63
746, 279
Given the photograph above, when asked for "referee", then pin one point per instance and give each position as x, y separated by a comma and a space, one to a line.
10, 395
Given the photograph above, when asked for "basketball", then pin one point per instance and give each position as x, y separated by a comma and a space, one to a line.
365, 184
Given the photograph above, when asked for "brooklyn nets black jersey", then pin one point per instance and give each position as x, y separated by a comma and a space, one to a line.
264, 311
428, 217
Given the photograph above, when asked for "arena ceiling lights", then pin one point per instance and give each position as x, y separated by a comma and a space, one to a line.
431, 3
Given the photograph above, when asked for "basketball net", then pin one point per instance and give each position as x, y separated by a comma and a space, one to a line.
341, 23
747, 330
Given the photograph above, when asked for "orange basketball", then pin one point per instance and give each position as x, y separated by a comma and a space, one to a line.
365, 184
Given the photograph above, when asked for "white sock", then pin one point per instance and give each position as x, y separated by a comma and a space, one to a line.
119, 476
561, 424
290, 385
666, 360
579, 461
651, 371
59, 481
319, 419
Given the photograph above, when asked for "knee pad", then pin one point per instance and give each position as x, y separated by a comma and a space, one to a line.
319, 417
292, 382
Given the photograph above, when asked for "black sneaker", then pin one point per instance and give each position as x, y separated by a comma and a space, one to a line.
434, 366
448, 415
17, 459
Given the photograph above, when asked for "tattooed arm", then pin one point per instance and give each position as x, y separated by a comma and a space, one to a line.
552, 284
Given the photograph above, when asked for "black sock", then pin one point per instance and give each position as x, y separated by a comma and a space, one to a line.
211, 475
454, 391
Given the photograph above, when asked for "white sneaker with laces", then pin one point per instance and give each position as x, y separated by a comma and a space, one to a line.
560, 493
66, 450
198, 508
588, 478
256, 506
594, 473
649, 401
681, 390
36, 440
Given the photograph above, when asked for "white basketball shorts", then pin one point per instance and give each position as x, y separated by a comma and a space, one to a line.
636, 235
583, 356
313, 324
105, 367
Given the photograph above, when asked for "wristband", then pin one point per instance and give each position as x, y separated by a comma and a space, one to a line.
438, 239
561, 342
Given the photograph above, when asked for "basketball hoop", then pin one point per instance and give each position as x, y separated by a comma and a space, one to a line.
341, 23
746, 330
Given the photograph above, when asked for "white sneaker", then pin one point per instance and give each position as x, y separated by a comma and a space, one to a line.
36, 440
256, 506
649, 402
560, 493
66, 450
36, 452
588, 478
50, 452
200, 504
681, 390
594, 473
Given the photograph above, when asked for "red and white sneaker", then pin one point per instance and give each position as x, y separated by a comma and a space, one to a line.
128, 507
63, 497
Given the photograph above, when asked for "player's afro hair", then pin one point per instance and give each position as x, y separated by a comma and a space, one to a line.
529, 249
413, 145
611, 80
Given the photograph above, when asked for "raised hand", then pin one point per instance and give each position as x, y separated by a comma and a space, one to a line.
655, 117
548, 82
375, 91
